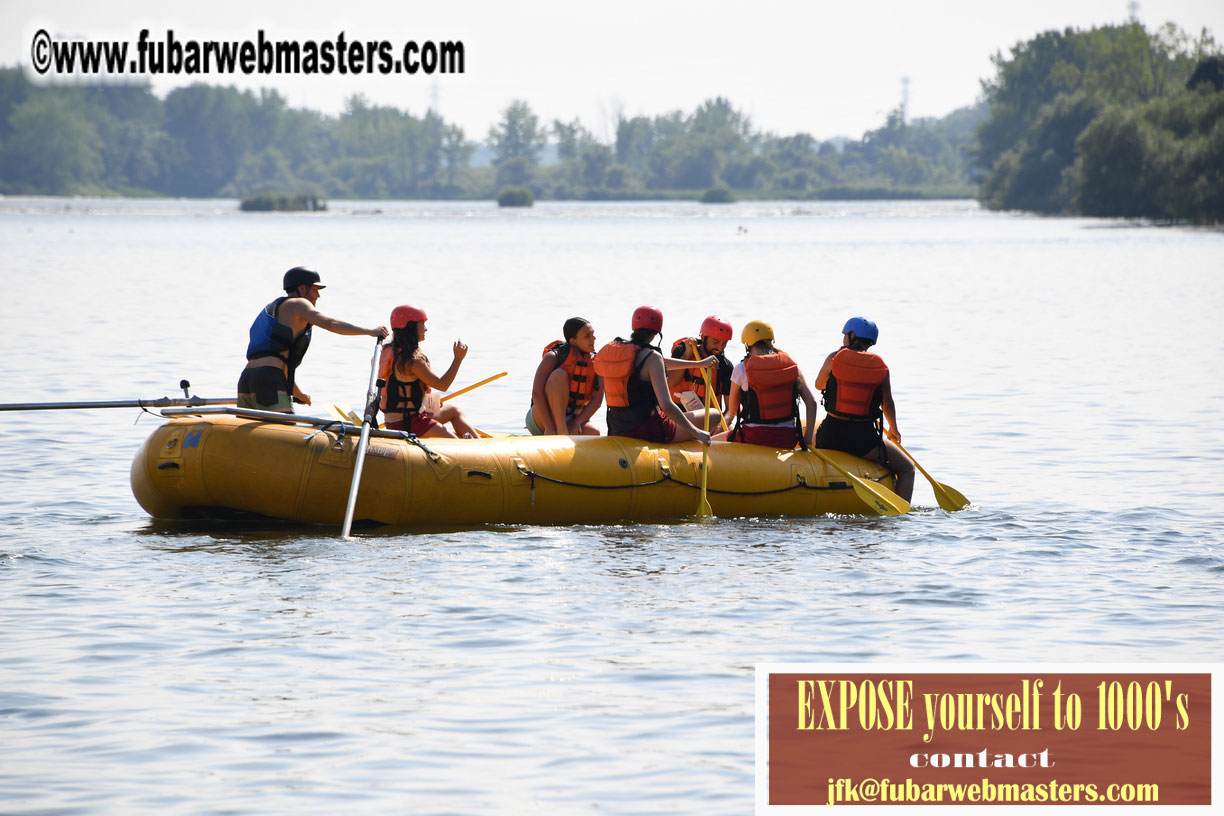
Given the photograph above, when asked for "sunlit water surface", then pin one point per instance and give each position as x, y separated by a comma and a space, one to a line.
1064, 374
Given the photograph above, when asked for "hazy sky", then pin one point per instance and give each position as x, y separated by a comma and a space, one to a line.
812, 66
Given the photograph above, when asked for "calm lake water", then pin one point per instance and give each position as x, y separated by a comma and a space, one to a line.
1064, 374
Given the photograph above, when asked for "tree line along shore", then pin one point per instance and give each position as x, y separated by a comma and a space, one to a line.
1112, 121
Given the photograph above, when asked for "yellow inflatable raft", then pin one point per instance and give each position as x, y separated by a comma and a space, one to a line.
230, 464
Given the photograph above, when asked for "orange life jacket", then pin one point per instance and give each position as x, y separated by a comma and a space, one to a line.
614, 362
692, 380
856, 384
577, 364
773, 383
400, 396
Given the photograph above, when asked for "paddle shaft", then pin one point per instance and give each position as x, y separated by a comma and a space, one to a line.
704, 508
705, 375
163, 402
949, 498
473, 386
371, 402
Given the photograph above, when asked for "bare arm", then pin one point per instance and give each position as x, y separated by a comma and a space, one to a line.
733, 402
822, 377
300, 311
890, 410
546, 367
672, 364
655, 369
809, 403
423, 372
588, 410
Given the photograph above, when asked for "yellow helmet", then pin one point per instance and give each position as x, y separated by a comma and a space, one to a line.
756, 331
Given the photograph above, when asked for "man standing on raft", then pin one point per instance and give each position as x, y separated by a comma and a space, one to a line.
635, 385
279, 338
857, 395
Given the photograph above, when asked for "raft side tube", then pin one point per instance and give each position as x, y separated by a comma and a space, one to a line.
301, 474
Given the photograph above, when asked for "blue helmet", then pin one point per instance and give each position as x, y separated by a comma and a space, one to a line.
862, 327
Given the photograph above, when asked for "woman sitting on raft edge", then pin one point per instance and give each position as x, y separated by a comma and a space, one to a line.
410, 379
857, 398
566, 392
635, 385
766, 388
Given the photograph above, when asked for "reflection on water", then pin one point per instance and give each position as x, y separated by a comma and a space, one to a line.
262, 667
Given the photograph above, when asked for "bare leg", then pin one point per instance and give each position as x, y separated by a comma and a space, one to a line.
900, 465
455, 417
439, 431
556, 390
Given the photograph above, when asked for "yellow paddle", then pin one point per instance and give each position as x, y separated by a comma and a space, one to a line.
704, 511
473, 386
705, 375
949, 498
879, 498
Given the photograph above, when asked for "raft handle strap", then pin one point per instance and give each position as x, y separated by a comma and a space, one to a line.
327, 428
412, 439
667, 477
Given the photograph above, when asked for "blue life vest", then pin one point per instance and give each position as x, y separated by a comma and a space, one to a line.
271, 338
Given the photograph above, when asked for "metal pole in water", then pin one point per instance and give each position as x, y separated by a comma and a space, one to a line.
371, 403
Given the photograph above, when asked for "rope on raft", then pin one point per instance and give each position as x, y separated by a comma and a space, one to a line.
667, 477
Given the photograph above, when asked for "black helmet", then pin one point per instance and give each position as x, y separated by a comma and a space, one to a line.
298, 275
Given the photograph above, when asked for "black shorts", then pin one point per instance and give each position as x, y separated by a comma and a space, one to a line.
858, 438
265, 388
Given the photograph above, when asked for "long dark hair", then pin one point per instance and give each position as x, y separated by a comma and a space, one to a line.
642, 337
404, 344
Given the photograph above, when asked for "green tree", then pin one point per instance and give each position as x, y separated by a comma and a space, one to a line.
209, 130
50, 148
457, 152
1052, 88
518, 135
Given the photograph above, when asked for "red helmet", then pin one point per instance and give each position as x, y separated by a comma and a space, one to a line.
647, 317
714, 326
401, 316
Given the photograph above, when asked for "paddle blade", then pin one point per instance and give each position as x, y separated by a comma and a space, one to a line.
880, 499
949, 498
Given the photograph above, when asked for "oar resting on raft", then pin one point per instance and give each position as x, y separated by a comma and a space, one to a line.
473, 386
186, 401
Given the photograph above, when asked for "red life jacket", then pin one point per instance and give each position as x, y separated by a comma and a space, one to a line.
577, 364
692, 380
400, 396
856, 385
773, 382
614, 362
